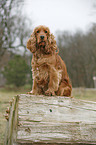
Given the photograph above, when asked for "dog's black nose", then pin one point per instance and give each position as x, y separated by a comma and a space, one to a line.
42, 37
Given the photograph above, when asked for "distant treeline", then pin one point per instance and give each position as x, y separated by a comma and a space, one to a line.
79, 53
77, 50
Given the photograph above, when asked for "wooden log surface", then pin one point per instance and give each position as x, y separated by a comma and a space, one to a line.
54, 120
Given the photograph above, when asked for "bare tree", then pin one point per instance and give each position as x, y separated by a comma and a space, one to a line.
79, 53
14, 28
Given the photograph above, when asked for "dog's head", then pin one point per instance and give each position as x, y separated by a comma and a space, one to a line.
43, 40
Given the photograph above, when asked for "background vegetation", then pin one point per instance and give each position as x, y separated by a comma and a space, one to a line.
78, 50
79, 53
12, 72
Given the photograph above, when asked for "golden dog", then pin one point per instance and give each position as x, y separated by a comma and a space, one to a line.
49, 71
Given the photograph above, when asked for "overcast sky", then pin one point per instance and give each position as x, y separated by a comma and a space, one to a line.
64, 15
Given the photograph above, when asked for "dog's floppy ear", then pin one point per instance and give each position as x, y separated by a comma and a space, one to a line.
31, 43
52, 42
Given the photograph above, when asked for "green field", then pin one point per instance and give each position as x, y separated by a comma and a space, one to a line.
7, 94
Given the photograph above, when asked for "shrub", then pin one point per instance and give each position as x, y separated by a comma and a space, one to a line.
16, 71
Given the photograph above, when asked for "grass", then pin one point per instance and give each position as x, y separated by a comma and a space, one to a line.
84, 94
7, 94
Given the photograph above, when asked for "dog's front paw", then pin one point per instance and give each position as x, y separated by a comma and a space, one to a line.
31, 93
50, 92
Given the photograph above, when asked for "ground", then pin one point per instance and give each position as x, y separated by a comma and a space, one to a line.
7, 94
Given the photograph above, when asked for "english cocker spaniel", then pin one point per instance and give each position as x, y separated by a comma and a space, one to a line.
48, 69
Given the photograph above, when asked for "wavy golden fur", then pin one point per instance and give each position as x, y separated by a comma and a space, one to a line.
49, 71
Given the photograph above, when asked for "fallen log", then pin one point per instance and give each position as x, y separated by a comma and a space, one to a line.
54, 120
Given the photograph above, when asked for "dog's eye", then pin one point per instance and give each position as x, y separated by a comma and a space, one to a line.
38, 31
45, 31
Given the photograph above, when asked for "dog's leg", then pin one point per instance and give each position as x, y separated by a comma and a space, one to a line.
34, 87
34, 90
53, 82
64, 90
67, 91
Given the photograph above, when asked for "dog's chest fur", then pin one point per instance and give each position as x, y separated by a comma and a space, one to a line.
40, 74
42, 69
